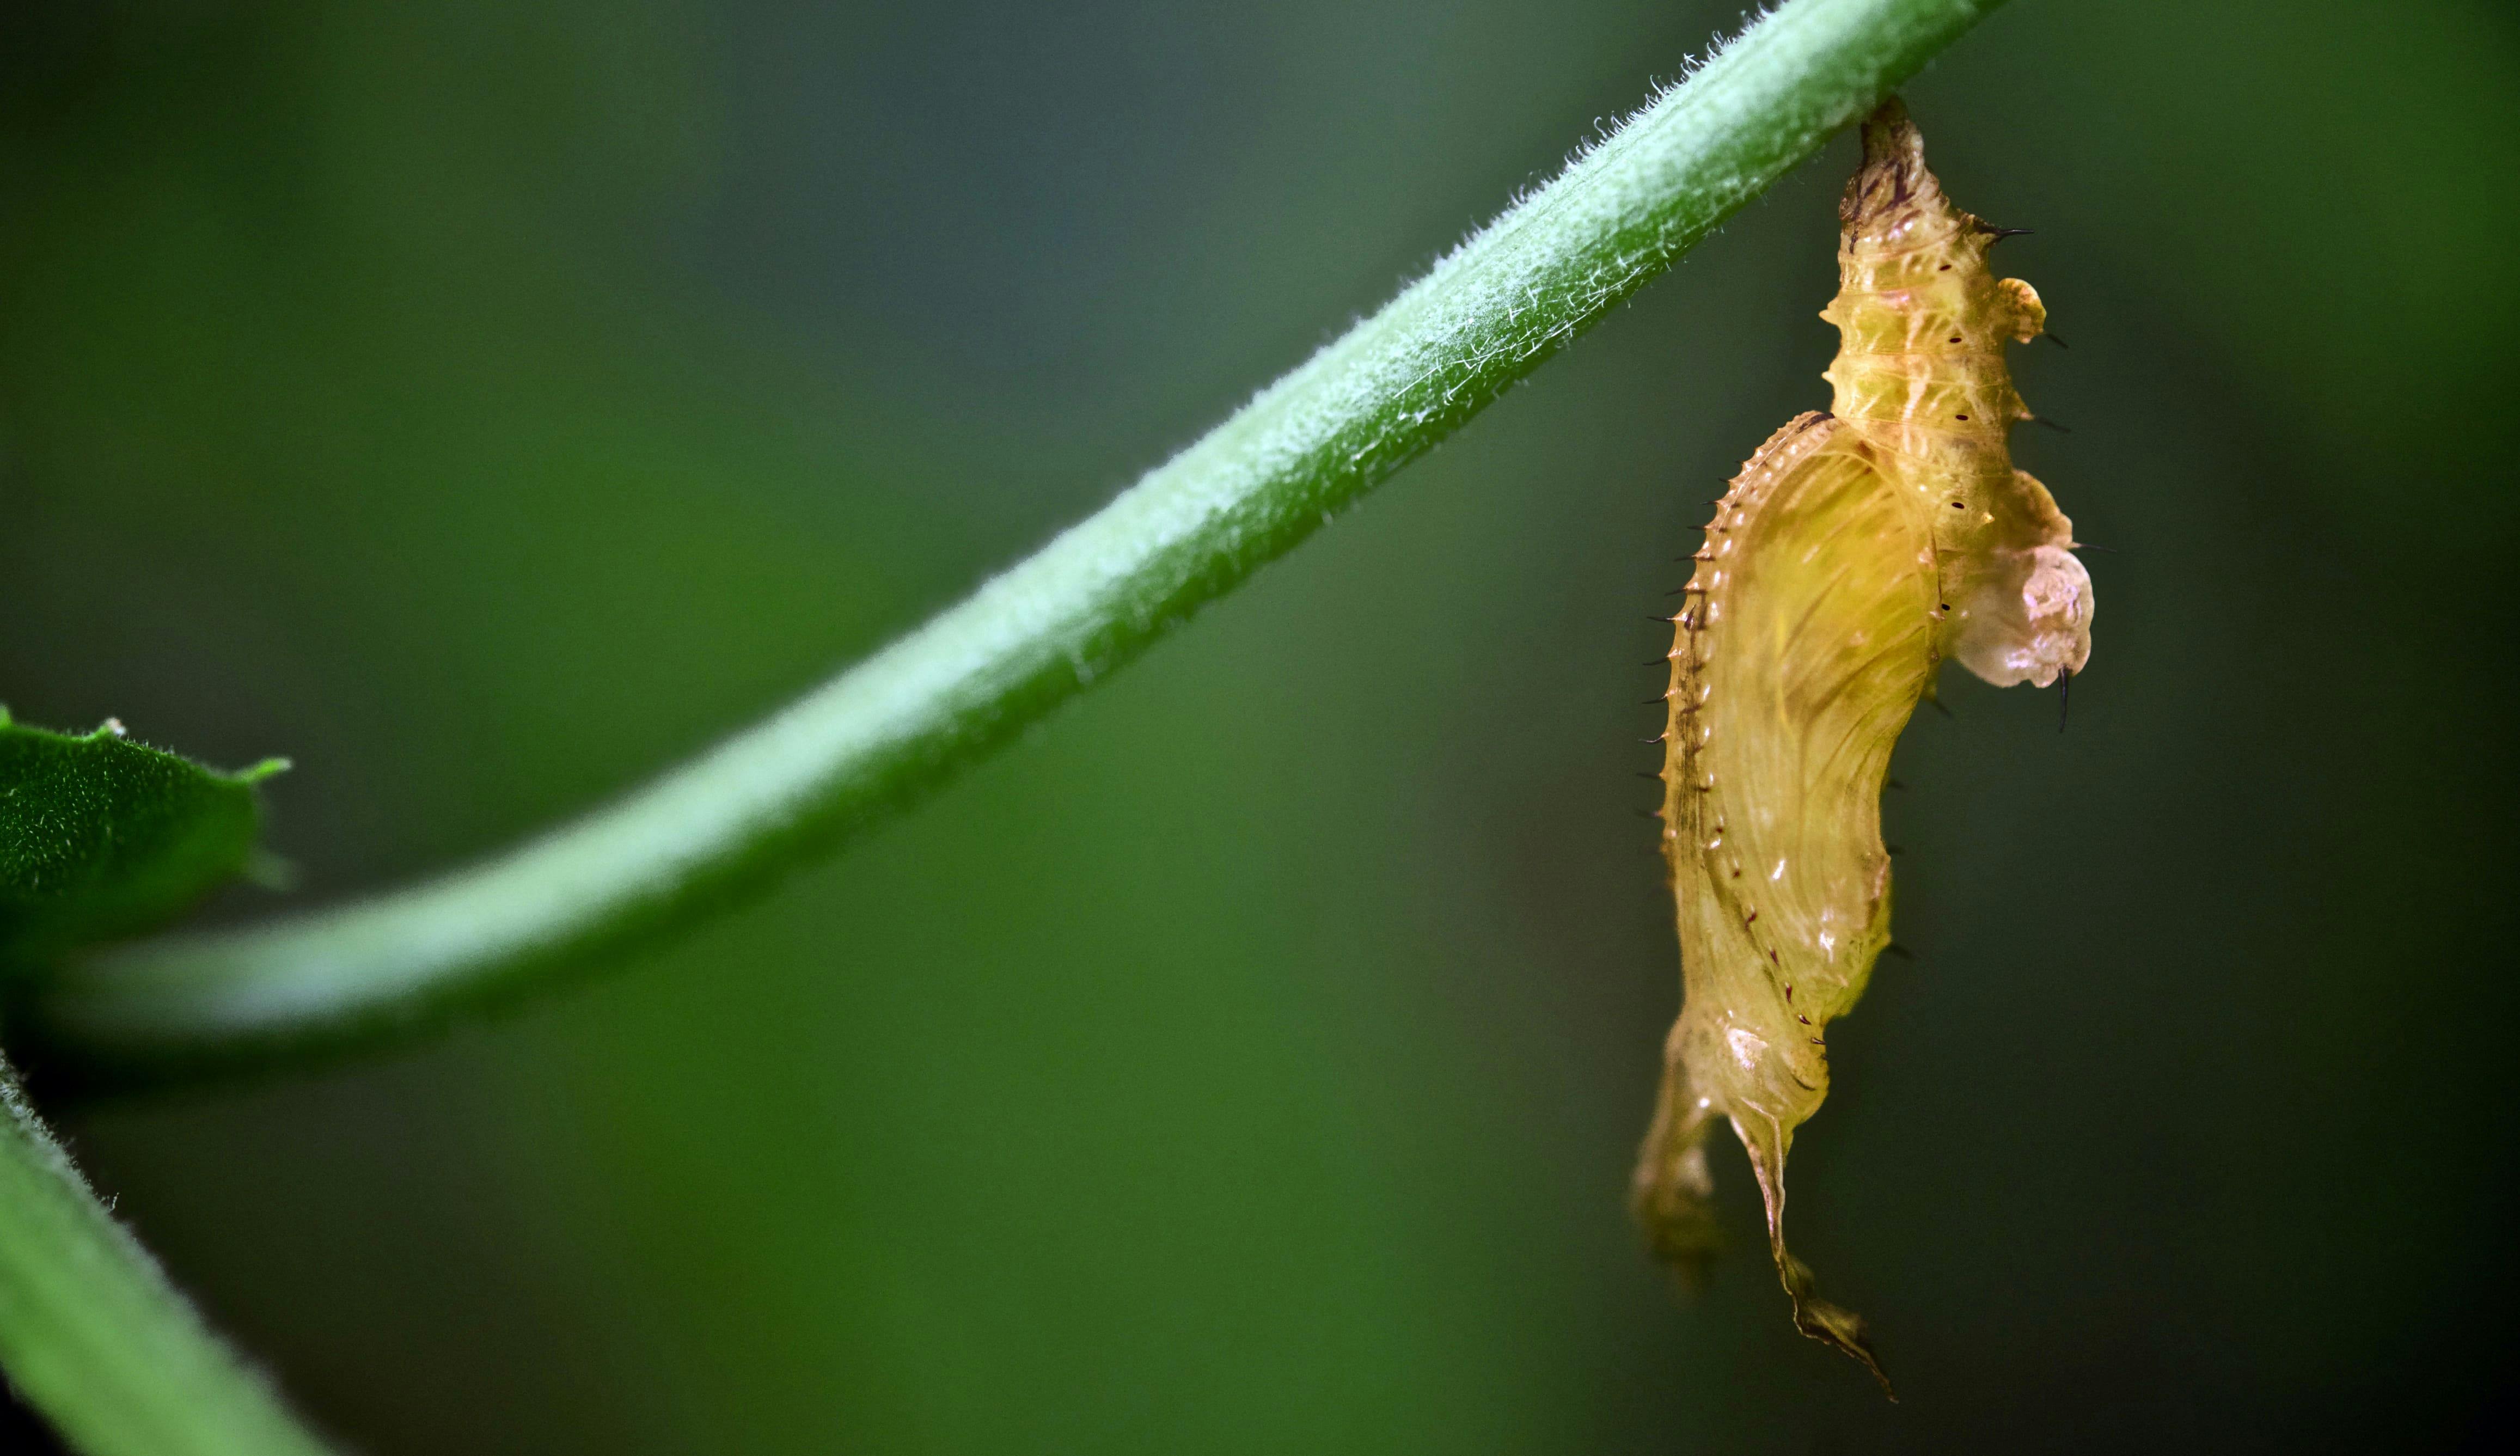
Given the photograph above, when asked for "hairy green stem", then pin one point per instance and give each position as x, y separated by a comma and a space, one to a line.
94, 1337
901, 722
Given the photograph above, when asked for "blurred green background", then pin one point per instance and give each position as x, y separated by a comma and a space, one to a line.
488, 404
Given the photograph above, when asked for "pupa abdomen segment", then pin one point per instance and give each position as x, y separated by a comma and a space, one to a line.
1853, 554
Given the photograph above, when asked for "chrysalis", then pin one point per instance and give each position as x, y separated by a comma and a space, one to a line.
1853, 554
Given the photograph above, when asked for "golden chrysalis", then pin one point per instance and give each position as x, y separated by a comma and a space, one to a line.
1853, 554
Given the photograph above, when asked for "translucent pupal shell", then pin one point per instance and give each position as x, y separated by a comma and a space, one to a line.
1853, 554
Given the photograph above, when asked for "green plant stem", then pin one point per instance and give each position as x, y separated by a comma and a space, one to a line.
94, 1337
901, 722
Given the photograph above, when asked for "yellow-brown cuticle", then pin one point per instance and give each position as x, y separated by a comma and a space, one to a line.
1855, 552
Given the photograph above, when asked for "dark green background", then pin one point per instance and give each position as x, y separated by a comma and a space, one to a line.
487, 405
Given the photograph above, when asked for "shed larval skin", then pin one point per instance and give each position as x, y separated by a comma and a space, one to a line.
1854, 553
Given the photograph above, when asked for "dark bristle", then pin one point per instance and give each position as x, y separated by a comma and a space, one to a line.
2064, 695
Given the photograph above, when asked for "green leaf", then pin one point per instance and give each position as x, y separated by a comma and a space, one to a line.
103, 837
